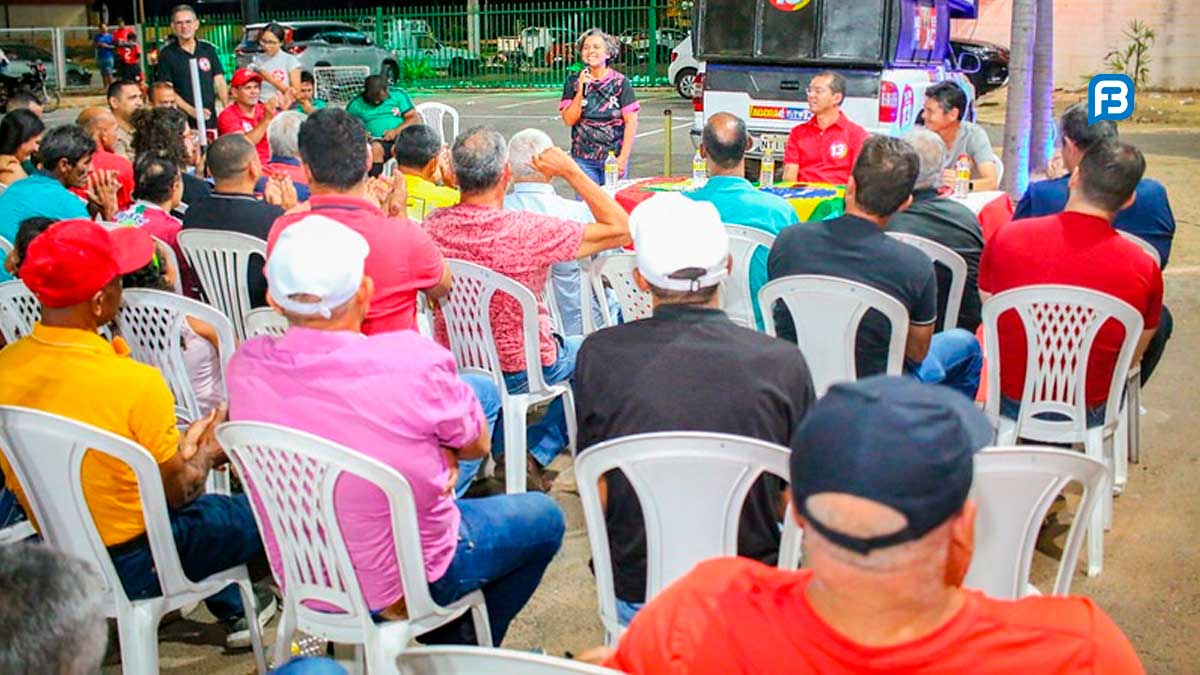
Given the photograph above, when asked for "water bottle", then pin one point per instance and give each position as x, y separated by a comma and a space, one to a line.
611, 170
766, 176
699, 170
962, 176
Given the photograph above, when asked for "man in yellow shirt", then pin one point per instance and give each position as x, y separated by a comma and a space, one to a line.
422, 158
65, 367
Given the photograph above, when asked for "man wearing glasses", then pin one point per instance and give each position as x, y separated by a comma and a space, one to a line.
173, 66
823, 149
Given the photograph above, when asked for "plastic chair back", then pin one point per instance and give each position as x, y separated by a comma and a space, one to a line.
221, 260
435, 115
1014, 489
1145, 246
446, 660
691, 487
827, 312
946, 257
265, 321
166, 251
617, 269
744, 243
5, 245
19, 310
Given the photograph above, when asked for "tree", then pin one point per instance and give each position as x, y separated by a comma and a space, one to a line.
1017, 116
1042, 143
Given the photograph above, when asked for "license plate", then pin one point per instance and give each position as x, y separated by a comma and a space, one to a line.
774, 141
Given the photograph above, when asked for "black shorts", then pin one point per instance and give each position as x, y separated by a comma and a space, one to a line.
131, 72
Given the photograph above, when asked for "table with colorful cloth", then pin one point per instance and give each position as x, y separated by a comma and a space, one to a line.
812, 201
994, 209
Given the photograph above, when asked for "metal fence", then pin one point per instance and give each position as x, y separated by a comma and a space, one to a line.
67, 53
502, 45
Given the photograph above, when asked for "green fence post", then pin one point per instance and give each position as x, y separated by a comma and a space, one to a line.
652, 73
379, 26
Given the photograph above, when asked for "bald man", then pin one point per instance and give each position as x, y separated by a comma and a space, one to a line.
101, 125
724, 145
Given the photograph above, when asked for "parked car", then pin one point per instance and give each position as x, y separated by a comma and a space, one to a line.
683, 69
325, 43
537, 42
425, 47
993, 73
21, 55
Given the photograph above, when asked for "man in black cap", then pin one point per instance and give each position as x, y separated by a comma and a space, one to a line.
880, 473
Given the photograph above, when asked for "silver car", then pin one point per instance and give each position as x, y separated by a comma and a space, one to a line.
325, 43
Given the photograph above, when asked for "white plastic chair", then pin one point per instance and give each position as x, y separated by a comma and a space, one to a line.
827, 312
19, 310
1144, 245
474, 660
469, 326
434, 114
947, 257
551, 302
265, 321
424, 316
16, 532
617, 269
46, 452
221, 259
1060, 325
1014, 489
691, 487
6, 246
291, 476
1133, 385
389, 167
744, 243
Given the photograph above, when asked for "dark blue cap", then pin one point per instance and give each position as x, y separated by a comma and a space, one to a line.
894, 441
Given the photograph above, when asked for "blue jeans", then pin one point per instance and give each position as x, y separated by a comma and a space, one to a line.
213, 533
310, 665
594, 168
627, 610
504, 545
489, 400
954, 360
548, 437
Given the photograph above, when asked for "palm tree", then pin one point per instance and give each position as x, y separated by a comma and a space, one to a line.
1017, 113
1042, 145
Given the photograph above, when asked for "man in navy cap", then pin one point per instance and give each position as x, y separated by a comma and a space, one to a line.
880, 473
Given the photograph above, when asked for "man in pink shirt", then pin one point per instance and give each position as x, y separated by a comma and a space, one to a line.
522, 246
397, 398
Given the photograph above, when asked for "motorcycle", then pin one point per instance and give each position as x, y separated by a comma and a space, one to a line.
32, 81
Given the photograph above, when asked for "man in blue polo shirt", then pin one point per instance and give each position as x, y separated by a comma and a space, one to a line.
724, 145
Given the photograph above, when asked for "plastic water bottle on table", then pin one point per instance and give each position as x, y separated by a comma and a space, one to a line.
766, 176
962, 176
699, 171
612, 171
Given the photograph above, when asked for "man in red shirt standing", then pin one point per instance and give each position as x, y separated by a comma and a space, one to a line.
101, 125
129, 54
1077, 247
881, 469
248, 116
823, 149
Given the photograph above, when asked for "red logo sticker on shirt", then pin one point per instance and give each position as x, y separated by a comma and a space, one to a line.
204, 64
247, 126
839, 150
395, 112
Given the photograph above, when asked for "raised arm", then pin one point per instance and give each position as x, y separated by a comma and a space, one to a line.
611, 229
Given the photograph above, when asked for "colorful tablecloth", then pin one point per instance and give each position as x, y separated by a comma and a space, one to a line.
812, 201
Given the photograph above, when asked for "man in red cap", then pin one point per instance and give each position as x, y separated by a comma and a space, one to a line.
64, 367
247, 116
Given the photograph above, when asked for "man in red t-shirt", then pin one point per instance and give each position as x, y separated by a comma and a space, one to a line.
880, 470
101, 125
248, 116
128, 53
823, 149
1077, 247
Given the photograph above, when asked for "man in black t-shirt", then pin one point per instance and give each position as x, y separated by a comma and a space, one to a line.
686, 368
173, 67
854, 247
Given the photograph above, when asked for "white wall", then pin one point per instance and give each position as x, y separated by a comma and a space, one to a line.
22, 16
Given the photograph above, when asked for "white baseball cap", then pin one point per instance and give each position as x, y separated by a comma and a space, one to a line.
681, 243
316, 256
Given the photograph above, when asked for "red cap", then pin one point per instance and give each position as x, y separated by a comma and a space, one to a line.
75, 259
244, 76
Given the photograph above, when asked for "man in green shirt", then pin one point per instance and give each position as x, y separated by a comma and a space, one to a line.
307, 101
384, 112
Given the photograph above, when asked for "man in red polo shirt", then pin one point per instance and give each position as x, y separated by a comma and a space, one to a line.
823, 149
248, 116
101, 125
1077, 247
403, 257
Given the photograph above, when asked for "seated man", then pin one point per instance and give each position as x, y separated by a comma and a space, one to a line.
724, 144
944, 221
232, 206
854, 247
523, 246
945, 105
1077, 247
283, 136
124, 99
162, 95
687, 368
384, 112
403, 257
424, 420
881, 470
306, 99
101, 125
425, 163
245, 115
823, 149
74, 269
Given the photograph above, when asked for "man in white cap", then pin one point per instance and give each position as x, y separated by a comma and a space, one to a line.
686, 368
396, 397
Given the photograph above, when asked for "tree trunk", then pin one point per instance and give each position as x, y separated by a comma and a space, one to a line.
1042, 145
1017, 113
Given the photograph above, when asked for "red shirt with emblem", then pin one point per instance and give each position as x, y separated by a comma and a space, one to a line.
233, 121
824, 155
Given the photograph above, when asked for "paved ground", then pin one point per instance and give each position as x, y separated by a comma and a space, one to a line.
1151, 583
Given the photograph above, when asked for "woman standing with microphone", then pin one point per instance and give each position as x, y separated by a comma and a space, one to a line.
599, 105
